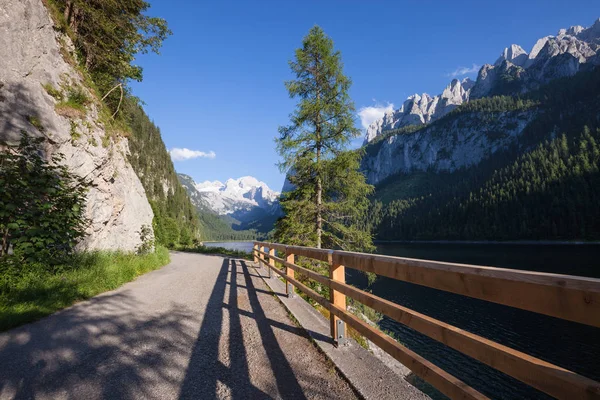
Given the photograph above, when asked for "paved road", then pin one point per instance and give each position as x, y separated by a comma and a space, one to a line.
202, 327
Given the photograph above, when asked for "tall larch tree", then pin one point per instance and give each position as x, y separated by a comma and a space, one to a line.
329, 198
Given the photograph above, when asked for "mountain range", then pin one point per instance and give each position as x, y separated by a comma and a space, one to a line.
513, 155
408, 139
515, 71
244, 203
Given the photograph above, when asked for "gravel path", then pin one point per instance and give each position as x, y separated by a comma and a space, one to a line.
202, 327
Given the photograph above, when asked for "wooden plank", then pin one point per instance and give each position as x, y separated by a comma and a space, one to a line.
551, 379
271, 261
276, 246
277, 270
311, 274
289, 272
448, 384
443, 381
337, 273
562, 296
311, 252
261, 253
254, 252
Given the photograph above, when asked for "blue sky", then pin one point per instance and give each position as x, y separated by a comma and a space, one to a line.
217, 87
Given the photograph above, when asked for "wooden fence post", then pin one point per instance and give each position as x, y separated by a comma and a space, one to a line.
271, 261
289, 288
337, 272
254, 252
262, 257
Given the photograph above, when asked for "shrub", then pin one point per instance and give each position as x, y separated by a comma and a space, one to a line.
41, 204
75, 103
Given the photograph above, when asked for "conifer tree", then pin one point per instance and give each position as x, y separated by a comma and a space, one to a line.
329, 198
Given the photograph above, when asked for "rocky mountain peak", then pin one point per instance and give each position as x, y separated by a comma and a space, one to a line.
515, 54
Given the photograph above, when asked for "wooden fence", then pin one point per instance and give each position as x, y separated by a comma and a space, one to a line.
567, 297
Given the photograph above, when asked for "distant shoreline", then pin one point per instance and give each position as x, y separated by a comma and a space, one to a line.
509, 242
229, 241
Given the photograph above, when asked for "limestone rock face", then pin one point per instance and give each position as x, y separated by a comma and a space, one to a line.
571, 51
443, 146
30, 56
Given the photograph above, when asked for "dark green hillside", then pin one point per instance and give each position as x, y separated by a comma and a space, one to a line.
175, 218
545, 187
217, 228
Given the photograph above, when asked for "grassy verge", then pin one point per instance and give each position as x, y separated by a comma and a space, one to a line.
221, 251
30, 292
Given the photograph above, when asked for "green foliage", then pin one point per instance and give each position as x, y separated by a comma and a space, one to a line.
216, 228
30, 291
41, 204
494, 104
330, 194
75, 135
147, 239
550, 192
108, 34
52, 91
35, 121
76, 100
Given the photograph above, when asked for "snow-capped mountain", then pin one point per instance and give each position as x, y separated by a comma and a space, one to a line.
515, 71
232, 197
242, 194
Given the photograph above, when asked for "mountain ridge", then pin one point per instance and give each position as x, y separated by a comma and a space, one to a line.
515, 71
244, 203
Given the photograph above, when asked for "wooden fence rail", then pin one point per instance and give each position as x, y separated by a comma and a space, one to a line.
567, 297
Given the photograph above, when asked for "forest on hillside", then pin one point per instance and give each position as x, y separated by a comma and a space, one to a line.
544, 187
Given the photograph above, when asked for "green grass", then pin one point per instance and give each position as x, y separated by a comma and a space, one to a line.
52, 91
218, 251
30, 292
74, 106
35, 121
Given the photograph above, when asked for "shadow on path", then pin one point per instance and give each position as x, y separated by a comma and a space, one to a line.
206, 372
95, 356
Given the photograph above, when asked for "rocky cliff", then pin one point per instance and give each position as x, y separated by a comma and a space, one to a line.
424, 135
34, 78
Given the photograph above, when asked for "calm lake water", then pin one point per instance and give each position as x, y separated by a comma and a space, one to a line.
241, 246
570, 345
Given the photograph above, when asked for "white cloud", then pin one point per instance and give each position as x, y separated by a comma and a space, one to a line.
178, 154
460, 71
370, 114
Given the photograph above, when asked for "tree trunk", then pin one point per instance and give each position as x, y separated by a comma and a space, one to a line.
319, 201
